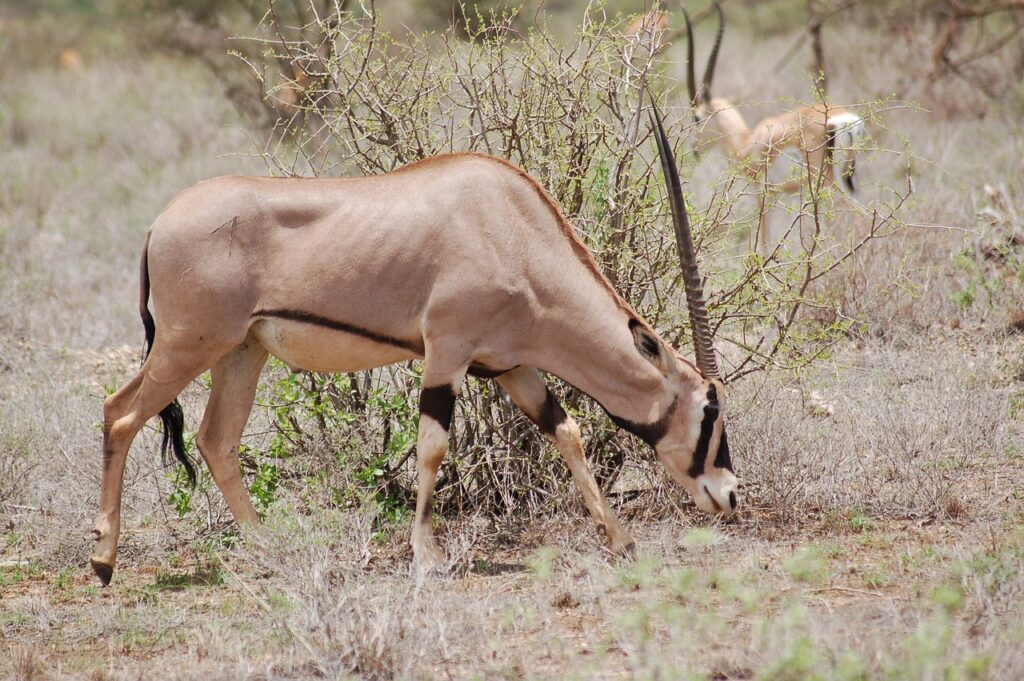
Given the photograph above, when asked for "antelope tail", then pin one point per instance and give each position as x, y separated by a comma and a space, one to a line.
844, 130
172, 417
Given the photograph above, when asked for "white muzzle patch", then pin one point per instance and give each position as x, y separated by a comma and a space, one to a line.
716, 493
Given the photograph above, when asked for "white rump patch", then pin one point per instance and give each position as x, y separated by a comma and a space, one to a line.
848, 127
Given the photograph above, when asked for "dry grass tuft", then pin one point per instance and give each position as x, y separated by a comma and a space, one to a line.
955, 508
1015, 323
27, 664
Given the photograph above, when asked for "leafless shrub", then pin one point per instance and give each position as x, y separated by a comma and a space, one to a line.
971, 23
15, 465
957, 56
893, 287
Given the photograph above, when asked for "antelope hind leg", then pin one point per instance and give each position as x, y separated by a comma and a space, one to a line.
164, 375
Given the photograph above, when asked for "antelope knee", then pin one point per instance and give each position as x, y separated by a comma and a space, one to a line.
120, 428
568, 431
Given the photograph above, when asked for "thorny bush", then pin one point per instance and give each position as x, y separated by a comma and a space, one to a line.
573, 114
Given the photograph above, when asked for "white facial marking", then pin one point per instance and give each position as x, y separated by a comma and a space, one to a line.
716, 492
699, 401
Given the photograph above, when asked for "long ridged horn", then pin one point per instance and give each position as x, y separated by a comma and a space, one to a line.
690, 78
701, 329
709, 70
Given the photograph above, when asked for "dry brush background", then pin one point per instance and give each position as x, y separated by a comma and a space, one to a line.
882, 529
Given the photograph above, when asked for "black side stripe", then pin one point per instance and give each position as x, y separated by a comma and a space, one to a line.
651, 433
438, 403
319, 320
707, 427
481, 371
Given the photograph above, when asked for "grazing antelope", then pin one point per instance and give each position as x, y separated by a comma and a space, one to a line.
461, 260
815, 131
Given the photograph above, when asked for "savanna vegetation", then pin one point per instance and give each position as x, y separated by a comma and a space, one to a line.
872, 348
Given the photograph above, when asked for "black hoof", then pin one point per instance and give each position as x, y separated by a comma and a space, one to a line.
628, 552
103, 571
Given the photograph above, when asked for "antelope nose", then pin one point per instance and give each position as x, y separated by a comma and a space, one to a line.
714, 502
717, 494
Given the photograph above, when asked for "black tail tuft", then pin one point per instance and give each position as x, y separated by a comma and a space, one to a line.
850, 163
172, 417
848, 171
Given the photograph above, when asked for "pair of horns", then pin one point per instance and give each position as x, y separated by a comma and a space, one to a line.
705, 353
709, 69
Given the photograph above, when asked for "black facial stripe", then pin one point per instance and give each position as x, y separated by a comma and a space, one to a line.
722, 458
551, 415
319, 320
438, 402
481, 371
651, 433
707, 427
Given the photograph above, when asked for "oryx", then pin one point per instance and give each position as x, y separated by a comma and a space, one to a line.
461, 260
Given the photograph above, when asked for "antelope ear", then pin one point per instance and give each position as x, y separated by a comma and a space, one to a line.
650, 347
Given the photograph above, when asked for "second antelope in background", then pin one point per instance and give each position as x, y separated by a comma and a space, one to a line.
816, 131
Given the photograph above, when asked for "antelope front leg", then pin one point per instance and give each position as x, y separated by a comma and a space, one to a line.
437, 402
530, 394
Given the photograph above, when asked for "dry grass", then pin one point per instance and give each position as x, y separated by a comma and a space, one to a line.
882, 530
911, 431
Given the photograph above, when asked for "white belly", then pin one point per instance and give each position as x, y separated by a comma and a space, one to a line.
315, 348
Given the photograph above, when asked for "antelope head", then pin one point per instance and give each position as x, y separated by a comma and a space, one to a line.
718, 118
693, 447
